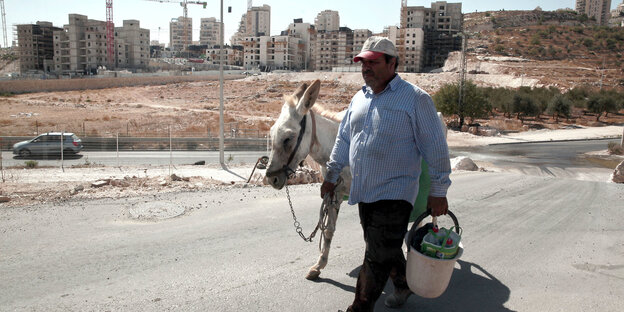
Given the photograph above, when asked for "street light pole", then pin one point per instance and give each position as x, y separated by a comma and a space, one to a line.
221, 156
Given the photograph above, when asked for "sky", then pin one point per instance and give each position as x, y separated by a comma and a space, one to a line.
155, 15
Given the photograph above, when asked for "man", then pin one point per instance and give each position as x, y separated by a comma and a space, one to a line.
389, 127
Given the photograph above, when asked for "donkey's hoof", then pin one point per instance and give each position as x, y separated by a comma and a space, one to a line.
313, 274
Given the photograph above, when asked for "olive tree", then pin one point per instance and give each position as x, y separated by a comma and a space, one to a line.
474, 104
559, 105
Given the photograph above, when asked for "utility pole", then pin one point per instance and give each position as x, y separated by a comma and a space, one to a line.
462, 80
4, 33
221, 139
110, 34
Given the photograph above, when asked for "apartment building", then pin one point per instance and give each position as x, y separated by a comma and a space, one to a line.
209, 32
333, 49
441, 16
180, 33
36, 46
439, 27
258, 21
254, 23
598, 9
132, 45
81, 46
306, 32
327, 20
231, 55
273, 53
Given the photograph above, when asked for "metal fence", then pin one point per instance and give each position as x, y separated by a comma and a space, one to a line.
123, 143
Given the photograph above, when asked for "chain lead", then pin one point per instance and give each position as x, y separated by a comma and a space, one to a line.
297, 225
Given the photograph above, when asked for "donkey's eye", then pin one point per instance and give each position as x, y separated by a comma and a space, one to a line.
286, 142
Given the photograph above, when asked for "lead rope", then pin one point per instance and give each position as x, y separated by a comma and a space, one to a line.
322, 223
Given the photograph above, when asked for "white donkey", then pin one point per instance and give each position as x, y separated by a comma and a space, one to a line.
303, 129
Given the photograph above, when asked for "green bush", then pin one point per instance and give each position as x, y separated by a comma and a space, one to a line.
31, 164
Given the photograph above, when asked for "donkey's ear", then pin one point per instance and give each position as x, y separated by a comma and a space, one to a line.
309, 97
299, 92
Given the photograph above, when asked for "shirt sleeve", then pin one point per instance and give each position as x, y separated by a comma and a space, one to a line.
432, 144
339, 157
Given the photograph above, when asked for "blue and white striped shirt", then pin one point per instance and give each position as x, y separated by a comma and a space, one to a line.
383, 138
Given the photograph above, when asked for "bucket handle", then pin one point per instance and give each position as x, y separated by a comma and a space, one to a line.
422, 217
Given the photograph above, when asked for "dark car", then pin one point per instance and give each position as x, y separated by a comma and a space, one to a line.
48, 144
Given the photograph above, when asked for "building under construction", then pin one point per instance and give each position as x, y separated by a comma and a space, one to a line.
81, 47
441, 25
36, 47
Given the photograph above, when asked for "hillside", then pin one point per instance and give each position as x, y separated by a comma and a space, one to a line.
557, 48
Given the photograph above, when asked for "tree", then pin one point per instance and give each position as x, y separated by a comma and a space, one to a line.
602, 102
559, 105
523, 105
474, 104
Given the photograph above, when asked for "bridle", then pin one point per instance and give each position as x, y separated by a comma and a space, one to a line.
287, 169
323, 216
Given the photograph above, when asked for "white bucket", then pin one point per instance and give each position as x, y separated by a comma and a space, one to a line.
426, 276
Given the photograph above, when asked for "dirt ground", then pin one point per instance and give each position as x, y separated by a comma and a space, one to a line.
191, 109
250, 104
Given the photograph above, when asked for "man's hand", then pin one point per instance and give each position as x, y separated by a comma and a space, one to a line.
437, 205
327, 188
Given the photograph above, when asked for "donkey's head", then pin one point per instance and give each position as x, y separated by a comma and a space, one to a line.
291, 134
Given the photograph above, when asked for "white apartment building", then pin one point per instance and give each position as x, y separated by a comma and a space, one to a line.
598, 9
411, 50
273, 53
305, 32
209, 32
327, 20
254, 51
180, 33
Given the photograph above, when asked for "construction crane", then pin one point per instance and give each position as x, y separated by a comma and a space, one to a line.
4, 34
110, 34
185, 12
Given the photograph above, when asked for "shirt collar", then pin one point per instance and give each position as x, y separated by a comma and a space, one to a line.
392, 85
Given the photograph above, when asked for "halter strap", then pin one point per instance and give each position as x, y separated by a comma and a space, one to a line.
287, 168
313, 140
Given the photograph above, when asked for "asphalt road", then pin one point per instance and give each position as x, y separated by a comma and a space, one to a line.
135, 158
540, 155
531, 244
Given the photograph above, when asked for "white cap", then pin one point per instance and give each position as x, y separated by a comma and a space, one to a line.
374, 47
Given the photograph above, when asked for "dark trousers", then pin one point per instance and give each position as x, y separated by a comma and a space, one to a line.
385, 224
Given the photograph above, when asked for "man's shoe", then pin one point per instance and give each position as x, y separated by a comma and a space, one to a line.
397, 299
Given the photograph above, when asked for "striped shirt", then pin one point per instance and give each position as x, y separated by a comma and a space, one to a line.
383, 138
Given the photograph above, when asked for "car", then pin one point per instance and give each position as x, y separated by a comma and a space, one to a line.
49, 144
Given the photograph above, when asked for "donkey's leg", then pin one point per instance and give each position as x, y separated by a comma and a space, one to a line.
328, 234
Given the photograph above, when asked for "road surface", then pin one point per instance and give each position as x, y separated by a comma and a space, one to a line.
137, 158
531, 244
